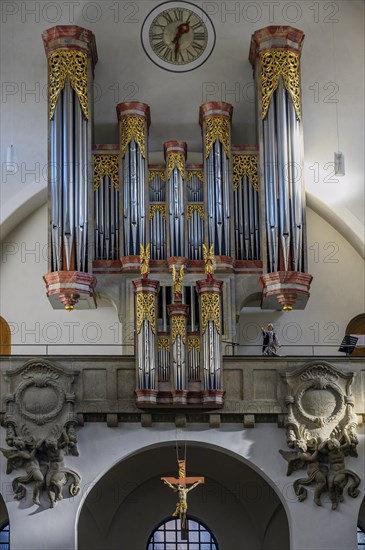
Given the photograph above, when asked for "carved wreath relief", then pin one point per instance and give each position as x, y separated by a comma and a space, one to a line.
41, 430
321, 428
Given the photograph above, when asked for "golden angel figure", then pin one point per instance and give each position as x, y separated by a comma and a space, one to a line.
178, 279
145, 260
208, 260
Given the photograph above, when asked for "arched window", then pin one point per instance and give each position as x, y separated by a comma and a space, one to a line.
360, 538
5, 537
167, 536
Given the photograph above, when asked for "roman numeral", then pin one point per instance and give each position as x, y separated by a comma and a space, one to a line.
190, 54
160, 46
197, 47
178, 14
157, 36
167, 16
199, 36
197, 26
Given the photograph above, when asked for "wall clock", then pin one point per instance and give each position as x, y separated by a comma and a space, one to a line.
178, 36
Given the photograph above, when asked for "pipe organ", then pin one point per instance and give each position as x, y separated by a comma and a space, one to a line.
245, 204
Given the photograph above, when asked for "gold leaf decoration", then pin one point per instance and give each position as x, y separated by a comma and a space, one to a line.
276, 64
245, 165
178, 327
217, 128
71, 63
195, 208
176, 160
145, 310
194, 343
153, 173
163, 343
211, 310
132, 127
106, 165
157, 208
198, 173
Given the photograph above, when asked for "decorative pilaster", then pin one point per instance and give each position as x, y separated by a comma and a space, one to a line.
146, 291
71, 54
210, 291
134, 121
275, 57
175, 157
215, 120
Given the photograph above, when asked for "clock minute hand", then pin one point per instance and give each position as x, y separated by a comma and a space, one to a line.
183, 28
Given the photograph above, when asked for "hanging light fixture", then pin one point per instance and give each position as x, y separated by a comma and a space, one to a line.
339, 157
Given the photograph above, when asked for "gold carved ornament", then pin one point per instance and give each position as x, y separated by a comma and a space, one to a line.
198, 173
153, 173
194, 343
208, 255
71, 63
157, 208
210, 310
178, 278
145, 310
132, 127
245, 165
176, 160
195, 208
144, 259
163, 343
276, 64
106, 165
217, 128
178, 327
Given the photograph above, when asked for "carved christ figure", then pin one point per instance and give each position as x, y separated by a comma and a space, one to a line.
179, 485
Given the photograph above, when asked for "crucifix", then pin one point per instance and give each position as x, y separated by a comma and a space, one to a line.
181, 485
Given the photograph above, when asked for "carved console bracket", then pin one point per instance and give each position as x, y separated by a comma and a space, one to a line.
41, 424
321, 430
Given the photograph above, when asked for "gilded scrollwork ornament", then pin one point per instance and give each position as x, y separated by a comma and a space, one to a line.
210, 311
193, 343
156, 173
245, 165
65, 63
217, 128
145, 311
275, 64
163, 343
157, 208
176, 160
195, 208
132, 127
198, 173
106, 165
178, 328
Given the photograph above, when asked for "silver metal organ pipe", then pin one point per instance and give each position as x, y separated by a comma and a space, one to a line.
297, 209
282, 167
273, 187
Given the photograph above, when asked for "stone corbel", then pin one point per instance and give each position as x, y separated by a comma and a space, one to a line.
40, 421
321, 430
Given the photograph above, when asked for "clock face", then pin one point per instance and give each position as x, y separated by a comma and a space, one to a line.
178, 36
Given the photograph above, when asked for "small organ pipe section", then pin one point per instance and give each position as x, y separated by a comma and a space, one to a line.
195, 213
275, 57
134, 120
71, 53
175, 156
246, 204
157, 212
215, 120
106, 206
146, 291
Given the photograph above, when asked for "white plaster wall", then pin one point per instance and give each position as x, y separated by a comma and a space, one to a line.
333, 53
311, 527
337, 295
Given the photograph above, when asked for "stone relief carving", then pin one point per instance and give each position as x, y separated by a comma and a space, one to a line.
321, 430
41, 429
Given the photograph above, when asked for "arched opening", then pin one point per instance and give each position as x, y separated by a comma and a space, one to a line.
240, 507
356, 327
5, 337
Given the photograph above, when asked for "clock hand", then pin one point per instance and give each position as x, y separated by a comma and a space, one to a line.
183, 28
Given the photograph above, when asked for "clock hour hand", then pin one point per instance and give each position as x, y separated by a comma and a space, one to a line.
183, 28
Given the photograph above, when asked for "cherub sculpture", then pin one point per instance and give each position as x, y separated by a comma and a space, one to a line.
208, 260
145, 260
178, 279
